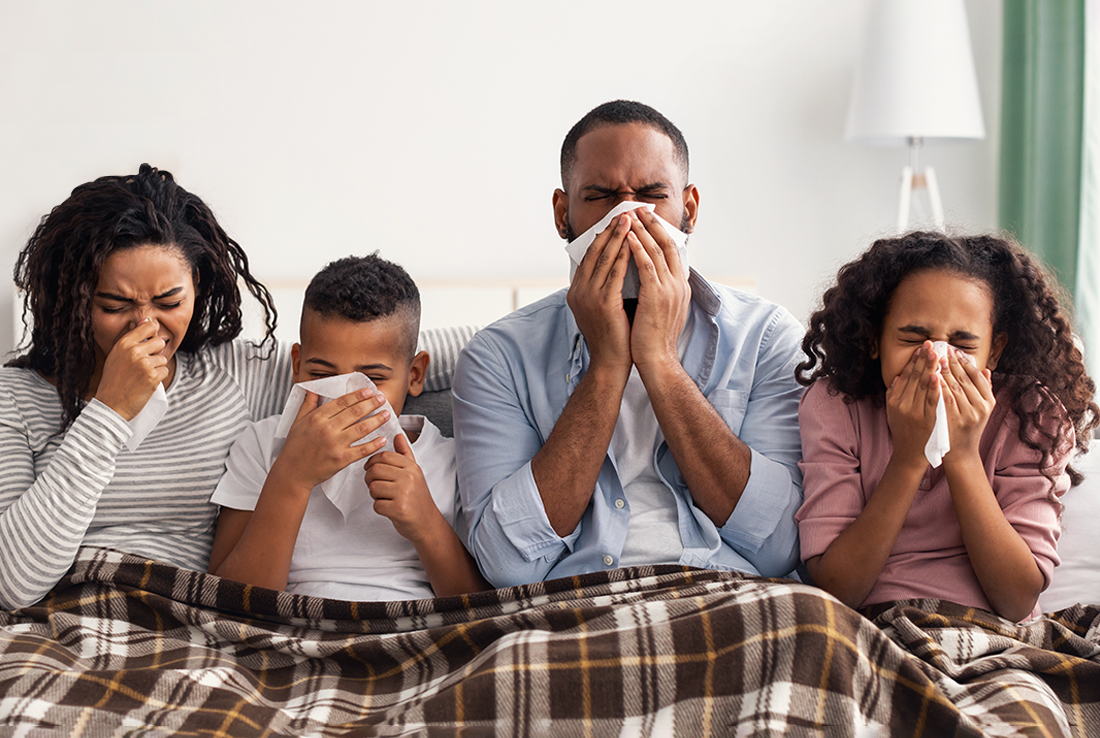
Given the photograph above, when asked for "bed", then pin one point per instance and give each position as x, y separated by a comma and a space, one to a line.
134, 647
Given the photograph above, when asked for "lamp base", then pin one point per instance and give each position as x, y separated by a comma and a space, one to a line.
915, 181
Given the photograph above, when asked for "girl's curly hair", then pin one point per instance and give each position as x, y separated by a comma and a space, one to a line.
844, 333
58, 271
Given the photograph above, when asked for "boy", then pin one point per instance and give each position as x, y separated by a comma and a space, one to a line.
278, 529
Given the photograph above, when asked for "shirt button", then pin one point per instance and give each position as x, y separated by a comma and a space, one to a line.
620, 503
608, 560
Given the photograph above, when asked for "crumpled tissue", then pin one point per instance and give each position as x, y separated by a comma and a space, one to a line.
631, 284
142, 424
346, 489
939, 443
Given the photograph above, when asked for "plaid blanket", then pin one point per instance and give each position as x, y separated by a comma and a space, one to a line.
128, 646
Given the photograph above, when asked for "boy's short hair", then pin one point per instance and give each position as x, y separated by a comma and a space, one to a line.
363, 289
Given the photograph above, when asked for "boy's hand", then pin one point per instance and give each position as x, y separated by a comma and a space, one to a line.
911, 405
400, 492
320, 440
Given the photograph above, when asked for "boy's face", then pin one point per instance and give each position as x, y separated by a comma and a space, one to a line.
333, 345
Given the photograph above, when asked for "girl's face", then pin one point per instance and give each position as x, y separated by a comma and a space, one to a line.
938, 305
142, 282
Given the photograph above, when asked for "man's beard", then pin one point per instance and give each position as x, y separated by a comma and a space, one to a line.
630, 304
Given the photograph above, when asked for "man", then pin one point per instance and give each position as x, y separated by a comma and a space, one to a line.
594, 433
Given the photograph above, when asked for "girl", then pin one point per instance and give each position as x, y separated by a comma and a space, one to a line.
878, 522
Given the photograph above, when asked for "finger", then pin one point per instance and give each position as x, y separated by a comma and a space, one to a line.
309, 404
363, 427
960, 381
353, 406
980, 379
601, 255
658, 244
647, 270
403, 447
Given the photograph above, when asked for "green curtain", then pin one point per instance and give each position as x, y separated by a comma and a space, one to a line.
1042, 91
1087, 290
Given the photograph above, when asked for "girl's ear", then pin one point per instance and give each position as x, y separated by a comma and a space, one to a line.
418, 372
874, 350
295, 359
996, 349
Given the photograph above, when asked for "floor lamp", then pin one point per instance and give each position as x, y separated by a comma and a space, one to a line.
915, 82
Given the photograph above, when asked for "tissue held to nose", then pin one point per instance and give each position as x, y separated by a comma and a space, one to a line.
577, 248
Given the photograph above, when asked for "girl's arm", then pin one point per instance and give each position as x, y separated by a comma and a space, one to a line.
1002, 560
852, 562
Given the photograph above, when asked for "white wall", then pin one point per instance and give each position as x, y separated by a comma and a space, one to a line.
430, 130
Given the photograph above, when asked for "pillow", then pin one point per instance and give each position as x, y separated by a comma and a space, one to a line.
1077, 579
443, 346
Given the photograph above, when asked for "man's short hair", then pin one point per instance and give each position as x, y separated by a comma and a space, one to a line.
366, 288
619, 112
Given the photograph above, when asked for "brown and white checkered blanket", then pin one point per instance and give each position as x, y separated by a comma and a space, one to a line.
130, 647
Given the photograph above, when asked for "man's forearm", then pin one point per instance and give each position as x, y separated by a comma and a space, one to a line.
714, 462
568, 464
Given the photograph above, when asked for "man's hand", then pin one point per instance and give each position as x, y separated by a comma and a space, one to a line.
320, 440
401, 494
132, 370
596, 299
664, 297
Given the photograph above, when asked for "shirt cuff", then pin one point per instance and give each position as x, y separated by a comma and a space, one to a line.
769, 501
517, 507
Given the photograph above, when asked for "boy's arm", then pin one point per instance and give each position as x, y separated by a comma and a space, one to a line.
256, 547
450, 568
401, 494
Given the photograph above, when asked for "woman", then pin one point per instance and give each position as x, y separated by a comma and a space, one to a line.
131, 285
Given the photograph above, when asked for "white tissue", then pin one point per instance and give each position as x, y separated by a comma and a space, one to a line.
346, 489
939, 443
142, 424
578, 246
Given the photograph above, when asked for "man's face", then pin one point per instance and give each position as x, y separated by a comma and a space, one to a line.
630, 161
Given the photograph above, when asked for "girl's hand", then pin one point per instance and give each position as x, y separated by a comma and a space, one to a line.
969, 401
911, 405
132, 370
320, 440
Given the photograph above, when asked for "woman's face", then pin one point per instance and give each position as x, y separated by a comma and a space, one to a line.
143, 282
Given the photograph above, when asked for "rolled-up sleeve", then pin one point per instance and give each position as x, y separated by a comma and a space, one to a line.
510, 535
762, 527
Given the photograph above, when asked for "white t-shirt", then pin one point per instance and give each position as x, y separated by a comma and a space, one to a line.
363, 558
653, 536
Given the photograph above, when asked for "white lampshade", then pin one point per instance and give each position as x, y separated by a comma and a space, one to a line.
916, 77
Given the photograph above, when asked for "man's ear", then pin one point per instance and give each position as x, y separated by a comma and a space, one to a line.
418, 372
996, 349
296, 359
691, 206
561, 212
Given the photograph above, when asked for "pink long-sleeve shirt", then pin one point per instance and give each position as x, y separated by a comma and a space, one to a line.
845, 450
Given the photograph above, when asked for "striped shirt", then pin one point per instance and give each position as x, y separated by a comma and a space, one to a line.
84, 487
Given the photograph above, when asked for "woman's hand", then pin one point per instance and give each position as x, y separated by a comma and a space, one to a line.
133, 369
969, 402
911, 405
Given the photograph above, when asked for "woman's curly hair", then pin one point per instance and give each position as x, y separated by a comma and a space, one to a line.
58, 271
843, 334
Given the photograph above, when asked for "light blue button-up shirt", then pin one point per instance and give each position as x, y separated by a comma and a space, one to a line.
511, 385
